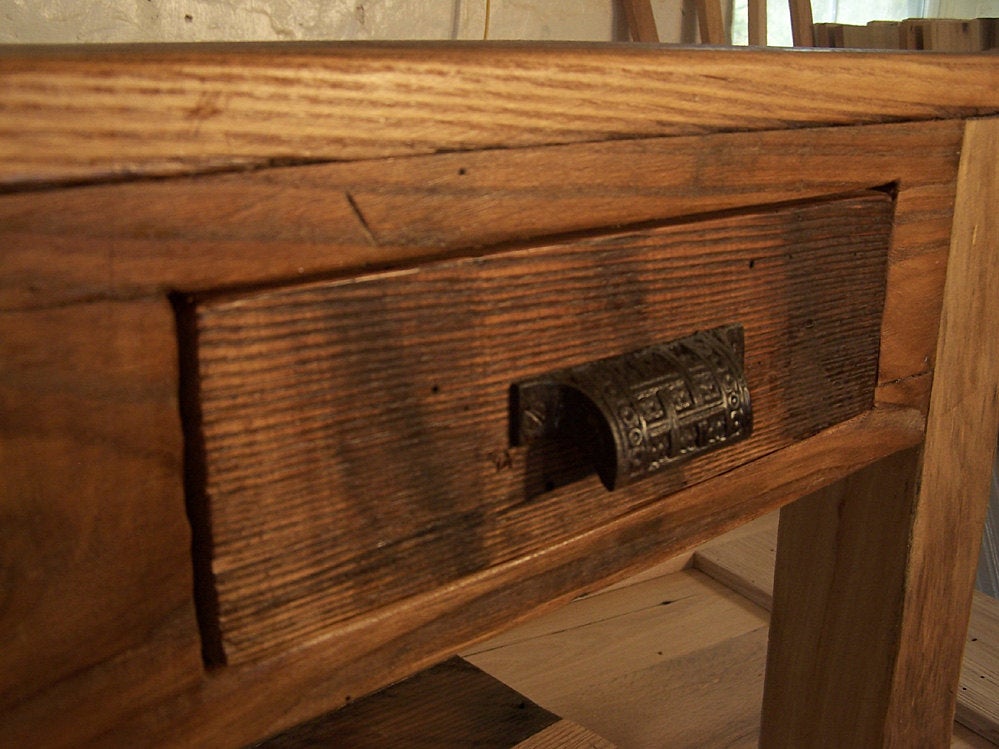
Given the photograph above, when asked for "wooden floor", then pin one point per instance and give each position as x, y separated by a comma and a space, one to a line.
675, 657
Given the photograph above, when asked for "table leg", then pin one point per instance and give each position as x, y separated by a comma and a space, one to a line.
874, 574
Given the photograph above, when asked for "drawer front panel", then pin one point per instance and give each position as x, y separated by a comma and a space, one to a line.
354, 433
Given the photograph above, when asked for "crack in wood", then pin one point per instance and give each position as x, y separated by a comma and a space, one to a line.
365, 227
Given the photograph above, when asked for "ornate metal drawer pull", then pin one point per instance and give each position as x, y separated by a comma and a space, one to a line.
642, 412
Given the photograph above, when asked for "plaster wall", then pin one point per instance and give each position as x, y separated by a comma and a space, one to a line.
94, 21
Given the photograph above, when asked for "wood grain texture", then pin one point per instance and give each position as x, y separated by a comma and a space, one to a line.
802, 28
744, 562
137, 239
957, 458
369, 653
125, 241
115, 243
565, 735
449, 705
87, 114
661, 663
356, 432
757, 23
90, 591
912, 33
705, 699
957, 35
965, 738
890, 549
612, 634
711, 23
743, 565
834, 626
100, 257
641, 22
688, 674
978, 694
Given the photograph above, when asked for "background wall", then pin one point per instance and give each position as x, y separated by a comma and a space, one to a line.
68, 21
94, 21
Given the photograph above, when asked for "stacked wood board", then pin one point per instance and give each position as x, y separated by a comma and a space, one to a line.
937, 34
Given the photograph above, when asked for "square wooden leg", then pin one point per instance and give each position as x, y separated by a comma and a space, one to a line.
874, 574
838, 595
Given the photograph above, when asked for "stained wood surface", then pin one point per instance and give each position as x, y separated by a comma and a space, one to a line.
449, 705
802, 28
88, 114
744, 561
84, 256
356, 433
834, 625
957, 458
881, 554
126, 241
687, 674
276, 225
378, 650
958, 35
641, 22
106, 245
711, 22
757, 23
90, 473
937, 34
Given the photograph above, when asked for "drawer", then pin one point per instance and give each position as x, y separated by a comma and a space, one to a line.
348, 440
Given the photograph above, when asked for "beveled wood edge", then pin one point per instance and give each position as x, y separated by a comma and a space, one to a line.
82, 114
391, 643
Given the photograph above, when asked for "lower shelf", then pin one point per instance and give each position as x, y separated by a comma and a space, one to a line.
453, 704
673, 657
676, 656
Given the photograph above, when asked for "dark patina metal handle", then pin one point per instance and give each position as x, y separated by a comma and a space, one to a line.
645, 411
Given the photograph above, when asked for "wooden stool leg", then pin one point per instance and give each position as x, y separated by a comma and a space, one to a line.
641, 22
802, 33
874, 575
711, 22
757, 26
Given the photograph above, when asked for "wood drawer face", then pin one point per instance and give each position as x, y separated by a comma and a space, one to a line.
354, 433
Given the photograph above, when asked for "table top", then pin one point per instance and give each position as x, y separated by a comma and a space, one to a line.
115, 112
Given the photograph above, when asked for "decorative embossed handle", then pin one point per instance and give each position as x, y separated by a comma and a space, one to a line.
642, 412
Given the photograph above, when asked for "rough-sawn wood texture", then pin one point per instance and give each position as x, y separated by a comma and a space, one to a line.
356, 432
102, 646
